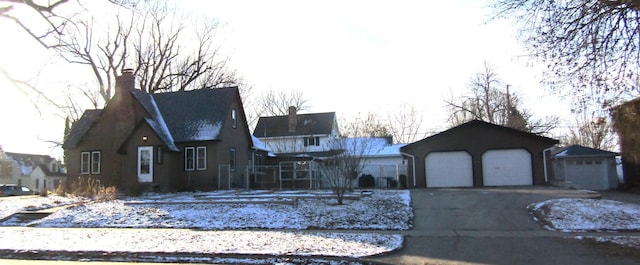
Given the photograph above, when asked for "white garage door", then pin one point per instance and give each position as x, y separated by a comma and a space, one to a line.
449, 169
507, 168
587, 174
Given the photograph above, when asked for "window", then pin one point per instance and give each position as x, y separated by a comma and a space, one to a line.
19, 182
85, 161
95, 162
232, 159
189, 159
54, 167
234, 118
201, 158
159, 155
195, 158
37, 184
312, 140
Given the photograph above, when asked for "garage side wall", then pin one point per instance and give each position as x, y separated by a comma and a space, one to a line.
476, 139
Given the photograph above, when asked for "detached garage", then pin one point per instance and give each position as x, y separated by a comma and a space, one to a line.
477, 154
581, 167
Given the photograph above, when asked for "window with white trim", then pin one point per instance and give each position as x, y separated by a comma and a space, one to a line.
85, 161
95, 162
312, 141
201, 158
234, 118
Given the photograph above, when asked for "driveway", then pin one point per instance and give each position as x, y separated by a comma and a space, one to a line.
492, 226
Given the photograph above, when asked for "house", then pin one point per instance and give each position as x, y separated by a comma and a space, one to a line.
582, 167
298, 142
195, 139
37, 172
381, 160
626, 117
477, 154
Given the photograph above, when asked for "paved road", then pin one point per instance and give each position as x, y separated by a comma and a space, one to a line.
491, 226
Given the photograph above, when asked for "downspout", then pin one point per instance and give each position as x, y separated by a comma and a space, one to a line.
413, 167
544, 161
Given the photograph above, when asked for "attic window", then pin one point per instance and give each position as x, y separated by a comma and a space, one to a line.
234, 118
312, 141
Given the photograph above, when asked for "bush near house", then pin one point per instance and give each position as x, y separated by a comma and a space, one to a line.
88, 187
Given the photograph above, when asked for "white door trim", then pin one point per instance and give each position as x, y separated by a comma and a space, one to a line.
145, 164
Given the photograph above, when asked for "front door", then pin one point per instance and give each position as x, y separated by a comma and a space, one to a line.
145, 165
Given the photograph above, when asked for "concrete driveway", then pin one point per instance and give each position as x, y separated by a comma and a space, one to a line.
492, 226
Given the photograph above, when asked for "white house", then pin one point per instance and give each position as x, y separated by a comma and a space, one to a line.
381, 159
38, 172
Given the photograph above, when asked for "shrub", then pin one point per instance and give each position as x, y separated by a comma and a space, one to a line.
88, 187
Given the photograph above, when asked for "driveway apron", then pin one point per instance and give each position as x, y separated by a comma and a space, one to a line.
491, 226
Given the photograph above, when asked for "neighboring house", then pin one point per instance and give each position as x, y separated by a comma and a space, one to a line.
195, 139
477, 154
625, 121
381, 159
582, 167
298, 142
37, 172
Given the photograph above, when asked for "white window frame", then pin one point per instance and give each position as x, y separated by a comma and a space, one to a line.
234, 118
189, 166
85, 162
95, 165
201, 160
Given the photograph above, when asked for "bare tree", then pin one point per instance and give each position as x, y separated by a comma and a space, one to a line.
488, 101
368, 126
274, 103
591, 47
35, 16
593, 130
405, 124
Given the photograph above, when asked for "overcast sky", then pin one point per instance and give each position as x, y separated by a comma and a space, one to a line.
351, 57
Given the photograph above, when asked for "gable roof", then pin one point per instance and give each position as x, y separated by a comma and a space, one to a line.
80, 127
581, 151
307, 124
201, 114
479, 123
29, 162
185, 116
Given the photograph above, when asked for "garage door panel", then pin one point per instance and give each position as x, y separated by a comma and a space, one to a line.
449, 169
511, 167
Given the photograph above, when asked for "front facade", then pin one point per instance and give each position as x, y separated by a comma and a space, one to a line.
477, 154
581, 167
297, 142
167, 141
37, 172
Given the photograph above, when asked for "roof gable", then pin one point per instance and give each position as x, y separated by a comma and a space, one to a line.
478, 124
80, 127
156, 121
307, 124
196, 115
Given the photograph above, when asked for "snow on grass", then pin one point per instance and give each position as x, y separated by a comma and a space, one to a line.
384, 210
575, 215
200, 242
11, 205
67, 229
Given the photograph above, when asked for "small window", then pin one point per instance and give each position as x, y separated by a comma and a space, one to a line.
232, 159
189, 159
159, 155
201, 155
37, 184
54, 167
85, 161
234, 118
95, 162
598, 162
589, 162
312, 141
579, 162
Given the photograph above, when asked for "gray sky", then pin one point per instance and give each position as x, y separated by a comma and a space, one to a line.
351, 57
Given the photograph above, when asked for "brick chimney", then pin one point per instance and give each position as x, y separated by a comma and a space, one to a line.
293, 119
125, 82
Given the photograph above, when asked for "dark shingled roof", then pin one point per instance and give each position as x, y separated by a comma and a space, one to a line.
185, 116
307, 124
581, 151
80, 127
196, 115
